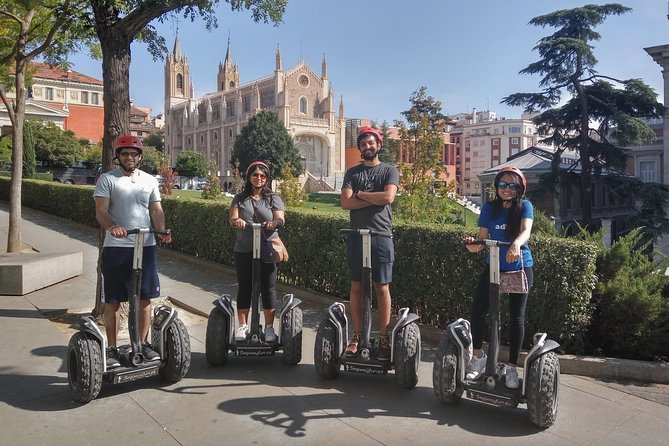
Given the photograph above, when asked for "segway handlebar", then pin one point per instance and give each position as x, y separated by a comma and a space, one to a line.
147, 231
488, 242
366, 231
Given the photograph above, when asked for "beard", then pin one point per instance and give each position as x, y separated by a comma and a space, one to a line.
369, 155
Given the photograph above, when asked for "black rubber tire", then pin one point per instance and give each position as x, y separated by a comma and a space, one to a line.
444, 372
69, 182
84, 367
407, 355
176, 356
217, 343
543, 382
326, 354
291, 336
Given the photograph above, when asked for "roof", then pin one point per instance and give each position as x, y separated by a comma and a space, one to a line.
537, 160
46, 71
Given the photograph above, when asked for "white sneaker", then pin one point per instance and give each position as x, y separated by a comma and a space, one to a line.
511, 380
241, 332
476, 367
270, 336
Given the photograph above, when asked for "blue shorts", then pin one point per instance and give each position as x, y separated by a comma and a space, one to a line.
383, 256
117, 274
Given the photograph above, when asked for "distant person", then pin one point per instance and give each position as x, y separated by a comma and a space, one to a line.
128, 198
367, 192
507, 218
255, 204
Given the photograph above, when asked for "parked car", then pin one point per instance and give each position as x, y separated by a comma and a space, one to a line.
84, 172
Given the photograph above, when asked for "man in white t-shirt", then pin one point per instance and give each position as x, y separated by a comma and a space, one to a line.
128, 198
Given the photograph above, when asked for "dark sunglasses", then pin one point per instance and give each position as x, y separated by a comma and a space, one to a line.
504, 185
132, 154
259, 175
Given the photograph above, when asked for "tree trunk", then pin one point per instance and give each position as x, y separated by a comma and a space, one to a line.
584, 154
116, 76
14, 232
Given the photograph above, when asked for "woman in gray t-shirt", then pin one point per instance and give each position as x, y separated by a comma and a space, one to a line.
255, 204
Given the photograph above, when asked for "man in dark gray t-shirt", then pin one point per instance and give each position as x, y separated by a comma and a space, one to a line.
368, 192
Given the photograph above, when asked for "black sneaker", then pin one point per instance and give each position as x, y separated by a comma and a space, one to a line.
112, 358
149, 353
384, 348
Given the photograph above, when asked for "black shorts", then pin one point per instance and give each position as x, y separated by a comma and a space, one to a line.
383, 256
117, 274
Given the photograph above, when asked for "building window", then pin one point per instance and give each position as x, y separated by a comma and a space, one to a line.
245, 104
648, 171
48, 94
84, 97
95, 99
514, 141
180, 83
303, 105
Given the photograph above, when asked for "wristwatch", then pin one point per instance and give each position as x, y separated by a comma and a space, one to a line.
355, 195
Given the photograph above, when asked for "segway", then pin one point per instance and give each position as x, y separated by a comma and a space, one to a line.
541, 369
221, 323
86, 362
332, 334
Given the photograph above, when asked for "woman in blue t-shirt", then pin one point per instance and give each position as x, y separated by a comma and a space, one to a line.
506, 218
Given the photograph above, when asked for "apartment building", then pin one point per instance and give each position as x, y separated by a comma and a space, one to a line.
482, 140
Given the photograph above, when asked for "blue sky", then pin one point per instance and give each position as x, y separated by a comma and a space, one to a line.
467, 53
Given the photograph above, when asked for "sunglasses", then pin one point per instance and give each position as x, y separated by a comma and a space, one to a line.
262, 176
504, 185
127, 154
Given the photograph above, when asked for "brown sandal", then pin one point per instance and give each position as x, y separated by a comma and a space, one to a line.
352, 348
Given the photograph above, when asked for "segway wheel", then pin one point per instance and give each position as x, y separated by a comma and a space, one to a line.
407, 355
291, 336
326, 354
543, 381
84, 367
176, 360
444, 372
217, 343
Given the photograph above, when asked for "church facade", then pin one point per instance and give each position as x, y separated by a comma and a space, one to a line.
302, 99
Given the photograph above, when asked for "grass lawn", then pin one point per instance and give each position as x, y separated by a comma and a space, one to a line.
321, 202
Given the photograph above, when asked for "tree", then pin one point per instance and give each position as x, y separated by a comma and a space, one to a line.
423, 196
597, 112
151, 160
57, 147
212, 187
28, 28
191, 164
156, 140
290, 189
265, 138
29, 160
167, 177
390, 146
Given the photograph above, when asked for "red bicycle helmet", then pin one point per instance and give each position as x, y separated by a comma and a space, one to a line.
256, 163
128, 142
514, 170
371, 131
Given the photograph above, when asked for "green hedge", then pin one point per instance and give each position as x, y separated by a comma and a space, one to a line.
434, 275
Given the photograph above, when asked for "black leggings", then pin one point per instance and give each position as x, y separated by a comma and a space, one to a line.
243, 264
517, 304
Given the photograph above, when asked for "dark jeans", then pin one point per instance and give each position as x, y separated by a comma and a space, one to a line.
243, 264
517, 304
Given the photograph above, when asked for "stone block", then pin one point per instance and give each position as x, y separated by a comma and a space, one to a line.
22, 273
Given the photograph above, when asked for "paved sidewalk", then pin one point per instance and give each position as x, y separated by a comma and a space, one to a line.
259, 399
